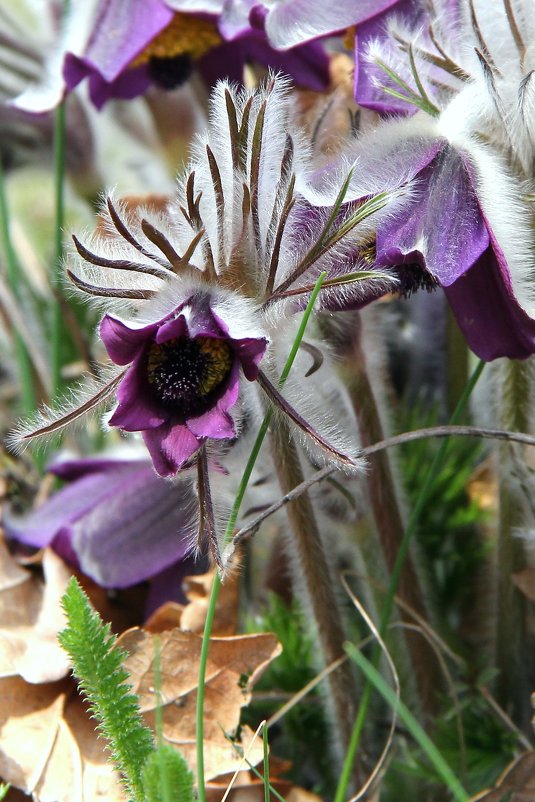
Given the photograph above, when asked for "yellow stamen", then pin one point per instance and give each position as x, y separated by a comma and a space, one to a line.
219, 361
348, 39
186, 34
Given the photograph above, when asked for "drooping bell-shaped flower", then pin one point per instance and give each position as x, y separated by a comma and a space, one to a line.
466, 228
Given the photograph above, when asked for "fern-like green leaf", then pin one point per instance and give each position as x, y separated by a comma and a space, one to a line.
166, 777
97, 664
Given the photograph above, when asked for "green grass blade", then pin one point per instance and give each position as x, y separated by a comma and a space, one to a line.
415, 729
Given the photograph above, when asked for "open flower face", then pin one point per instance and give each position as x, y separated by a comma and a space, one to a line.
203, 301
183, 378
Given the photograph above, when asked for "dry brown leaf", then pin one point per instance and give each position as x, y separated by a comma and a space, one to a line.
525, 582
48, 744
518, 780
168, 616
197, 589
233, 666
30, 619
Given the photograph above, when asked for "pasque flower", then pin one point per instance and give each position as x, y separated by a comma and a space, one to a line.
466, 228
204, 300
123, 46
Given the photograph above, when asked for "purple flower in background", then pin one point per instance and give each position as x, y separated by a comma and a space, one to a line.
289, 23
115, 520
183, 378
122, 47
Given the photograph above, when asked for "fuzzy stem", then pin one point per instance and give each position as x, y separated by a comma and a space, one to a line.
314, 583
512, 643
387, 510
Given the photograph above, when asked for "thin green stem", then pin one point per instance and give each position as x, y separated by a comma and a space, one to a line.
203, 659
266, 761
57, 317
13, 278
412, 526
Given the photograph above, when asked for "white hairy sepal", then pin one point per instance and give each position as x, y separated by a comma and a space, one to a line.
319, 398
500, 195
48, 422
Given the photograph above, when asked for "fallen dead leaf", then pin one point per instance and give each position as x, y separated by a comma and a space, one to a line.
518, 780
234, 664
30, 619
525, 582
197, 589
48, 744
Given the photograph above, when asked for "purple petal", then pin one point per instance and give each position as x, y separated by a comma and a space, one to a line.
123, 29
167, 585
442, 228
293, 22
307, 64
250, 351
369, 77
122, 343
131, 83
170, 446
216, 422
177, 327
487, 312
136, 411
139, 529
63, 508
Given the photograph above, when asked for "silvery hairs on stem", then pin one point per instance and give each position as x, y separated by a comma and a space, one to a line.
202, 302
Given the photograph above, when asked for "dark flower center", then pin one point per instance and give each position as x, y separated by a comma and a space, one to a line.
186, 375
170, 72
413, 277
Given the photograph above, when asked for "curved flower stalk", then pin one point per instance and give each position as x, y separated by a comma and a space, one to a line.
204, 300
123, 47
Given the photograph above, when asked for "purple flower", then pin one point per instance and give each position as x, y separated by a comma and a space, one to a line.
122, 47
115, 520
182, 380
198, 294
465, 229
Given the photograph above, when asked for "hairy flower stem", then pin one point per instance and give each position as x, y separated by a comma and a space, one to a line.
387, 511
315, 585
513, 646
